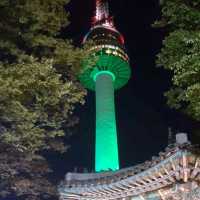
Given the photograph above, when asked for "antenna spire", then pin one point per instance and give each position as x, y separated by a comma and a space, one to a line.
102, 16
102, 11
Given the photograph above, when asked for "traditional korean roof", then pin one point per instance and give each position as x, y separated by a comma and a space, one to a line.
177, 168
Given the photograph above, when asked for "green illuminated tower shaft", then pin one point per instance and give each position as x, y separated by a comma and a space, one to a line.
106, 149
110, 71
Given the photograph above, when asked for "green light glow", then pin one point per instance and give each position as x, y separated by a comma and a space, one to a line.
114, 64
106, 154
103, 72
110, 71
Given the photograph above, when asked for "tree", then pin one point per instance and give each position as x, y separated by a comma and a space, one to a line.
24, 176
181, 52
39, 91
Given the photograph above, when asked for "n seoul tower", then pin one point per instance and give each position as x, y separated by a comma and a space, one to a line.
110, 71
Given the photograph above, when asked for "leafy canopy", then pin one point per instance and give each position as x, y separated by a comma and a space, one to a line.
39, 92
181, 52
37, 73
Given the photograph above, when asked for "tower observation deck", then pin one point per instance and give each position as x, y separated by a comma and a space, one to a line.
109, 72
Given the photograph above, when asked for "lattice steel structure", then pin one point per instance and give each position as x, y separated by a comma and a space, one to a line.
110, 71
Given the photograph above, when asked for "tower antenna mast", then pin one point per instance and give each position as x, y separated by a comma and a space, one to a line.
102, 15
102, 10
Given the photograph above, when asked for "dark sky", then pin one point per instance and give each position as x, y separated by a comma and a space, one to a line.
143, 117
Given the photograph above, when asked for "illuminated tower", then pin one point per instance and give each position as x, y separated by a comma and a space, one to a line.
109, 72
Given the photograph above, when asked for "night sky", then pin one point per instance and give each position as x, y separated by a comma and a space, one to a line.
143, 117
